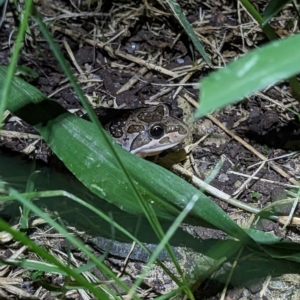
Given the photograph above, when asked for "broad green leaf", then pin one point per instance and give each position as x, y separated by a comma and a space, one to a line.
276, 247
78, 144
254, 267
257, 70
53, 186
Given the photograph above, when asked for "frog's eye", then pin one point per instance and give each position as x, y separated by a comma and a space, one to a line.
157, 131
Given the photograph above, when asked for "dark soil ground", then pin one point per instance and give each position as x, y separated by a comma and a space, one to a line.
125, 55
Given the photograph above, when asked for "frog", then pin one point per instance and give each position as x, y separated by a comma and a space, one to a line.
148, 131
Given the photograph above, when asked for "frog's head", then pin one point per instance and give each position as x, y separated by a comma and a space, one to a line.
148, 131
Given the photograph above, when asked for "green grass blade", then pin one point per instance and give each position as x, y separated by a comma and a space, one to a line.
46, 255
267, 29
6, 89
30, 186
3, 7
273, 8
164, 243
106, 140
188, 29
34, 265
17, 235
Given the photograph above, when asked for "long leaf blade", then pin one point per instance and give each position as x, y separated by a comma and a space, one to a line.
78, 144
255, 71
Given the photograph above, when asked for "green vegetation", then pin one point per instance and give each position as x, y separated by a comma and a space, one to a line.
138, 186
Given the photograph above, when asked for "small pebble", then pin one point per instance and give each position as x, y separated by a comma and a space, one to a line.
180, 61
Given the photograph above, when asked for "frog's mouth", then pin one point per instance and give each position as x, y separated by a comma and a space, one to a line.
155, 147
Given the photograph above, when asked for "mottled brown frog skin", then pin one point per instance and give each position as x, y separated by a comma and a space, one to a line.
148, 131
